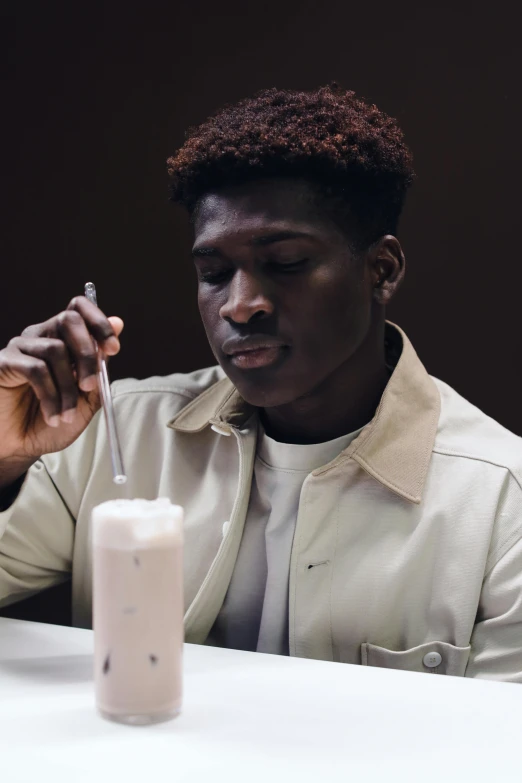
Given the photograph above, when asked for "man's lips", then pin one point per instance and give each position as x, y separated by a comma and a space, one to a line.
261, 357
252, 352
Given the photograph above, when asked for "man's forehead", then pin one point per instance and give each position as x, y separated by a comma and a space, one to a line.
267, 205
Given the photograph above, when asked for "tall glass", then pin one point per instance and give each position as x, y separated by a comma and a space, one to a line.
138, 609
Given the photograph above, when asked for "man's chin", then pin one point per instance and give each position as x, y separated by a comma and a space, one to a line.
266, 398
262, 388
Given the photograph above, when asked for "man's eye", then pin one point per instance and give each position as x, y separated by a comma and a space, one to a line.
214, 277
289, 266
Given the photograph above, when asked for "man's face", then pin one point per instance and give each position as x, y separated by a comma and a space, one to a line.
283, 299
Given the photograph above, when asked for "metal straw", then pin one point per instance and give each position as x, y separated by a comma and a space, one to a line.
118, 472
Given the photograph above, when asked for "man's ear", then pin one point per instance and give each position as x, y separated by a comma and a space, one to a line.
388, 267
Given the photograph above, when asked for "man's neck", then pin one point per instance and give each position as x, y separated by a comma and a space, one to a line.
343, 403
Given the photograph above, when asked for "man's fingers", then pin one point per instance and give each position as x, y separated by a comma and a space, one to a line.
81, 330
72, 329
20, 363
97, 324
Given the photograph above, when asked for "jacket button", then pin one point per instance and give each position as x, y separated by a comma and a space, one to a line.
220, 430
432, 659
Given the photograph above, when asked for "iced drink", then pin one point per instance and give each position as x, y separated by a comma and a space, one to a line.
138, 609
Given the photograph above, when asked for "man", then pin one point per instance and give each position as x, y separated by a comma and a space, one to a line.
340, 503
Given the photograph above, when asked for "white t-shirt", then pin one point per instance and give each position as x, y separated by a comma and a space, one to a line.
254, 615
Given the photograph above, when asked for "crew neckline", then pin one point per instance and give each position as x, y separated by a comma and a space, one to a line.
298, 456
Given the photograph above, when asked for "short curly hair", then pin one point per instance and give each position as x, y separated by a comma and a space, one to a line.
353, 154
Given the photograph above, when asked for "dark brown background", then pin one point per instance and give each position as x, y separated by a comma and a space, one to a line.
98, 95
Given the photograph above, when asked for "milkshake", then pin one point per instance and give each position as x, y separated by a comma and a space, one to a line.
138, 609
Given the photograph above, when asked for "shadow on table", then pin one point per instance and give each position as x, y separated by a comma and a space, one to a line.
60, 669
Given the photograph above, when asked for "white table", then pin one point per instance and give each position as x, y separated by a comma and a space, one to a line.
250, 717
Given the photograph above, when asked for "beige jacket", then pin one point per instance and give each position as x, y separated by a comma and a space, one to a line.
407, 544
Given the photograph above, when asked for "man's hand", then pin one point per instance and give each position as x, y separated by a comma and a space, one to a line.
48, 384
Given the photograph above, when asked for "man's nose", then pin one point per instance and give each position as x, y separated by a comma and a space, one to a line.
246, 299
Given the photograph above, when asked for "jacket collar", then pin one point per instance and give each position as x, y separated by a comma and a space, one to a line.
395, 446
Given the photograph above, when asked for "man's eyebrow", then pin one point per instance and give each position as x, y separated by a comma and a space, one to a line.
262, 241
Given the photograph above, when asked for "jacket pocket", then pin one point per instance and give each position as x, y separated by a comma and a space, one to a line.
432, 657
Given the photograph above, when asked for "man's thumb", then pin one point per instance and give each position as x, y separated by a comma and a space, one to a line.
116, 323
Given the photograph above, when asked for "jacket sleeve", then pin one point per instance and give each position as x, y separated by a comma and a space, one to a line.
496, 642
37, 530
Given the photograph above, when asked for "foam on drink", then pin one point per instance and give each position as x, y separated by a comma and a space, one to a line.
123, 523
